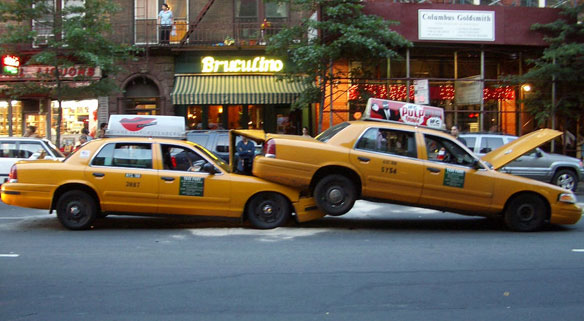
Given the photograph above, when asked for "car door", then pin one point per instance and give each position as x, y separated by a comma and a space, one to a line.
450, 181
387, 161
186, 189
124, 177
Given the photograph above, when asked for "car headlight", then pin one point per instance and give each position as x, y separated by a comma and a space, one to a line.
567, 198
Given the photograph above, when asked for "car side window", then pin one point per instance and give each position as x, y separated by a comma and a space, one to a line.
179, 158
490, 143
444, 150
470, 142
132, 155
389, 141
27, 149
8, 150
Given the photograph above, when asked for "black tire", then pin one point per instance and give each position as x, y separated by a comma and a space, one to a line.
268, 210
335, 194
526, 213
566, 178
76, 210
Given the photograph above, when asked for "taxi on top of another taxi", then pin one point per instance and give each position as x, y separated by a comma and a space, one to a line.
411, 160
141, 175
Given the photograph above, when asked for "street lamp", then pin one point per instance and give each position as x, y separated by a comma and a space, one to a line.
522, 90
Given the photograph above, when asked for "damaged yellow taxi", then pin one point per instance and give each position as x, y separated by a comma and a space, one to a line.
402, 155
146, 175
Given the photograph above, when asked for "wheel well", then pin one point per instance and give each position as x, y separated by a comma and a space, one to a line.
338, 170
565, 168
244, 216
70, 187
514, 196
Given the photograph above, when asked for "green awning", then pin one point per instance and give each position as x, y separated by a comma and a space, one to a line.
233, 90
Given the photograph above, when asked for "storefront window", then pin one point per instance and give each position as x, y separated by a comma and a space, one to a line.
216, 117
16, 119
77, 114
195, 117
255, 117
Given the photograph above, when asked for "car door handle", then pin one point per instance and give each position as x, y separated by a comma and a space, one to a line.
98, 174
433, 169
363, 159
167, 178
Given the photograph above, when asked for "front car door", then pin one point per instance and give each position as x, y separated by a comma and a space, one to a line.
450, 181
387, 160
124, 177
188, 190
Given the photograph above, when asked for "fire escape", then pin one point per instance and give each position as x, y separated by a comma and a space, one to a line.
198, 19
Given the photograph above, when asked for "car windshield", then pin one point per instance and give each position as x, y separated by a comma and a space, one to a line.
218, 160
329, 133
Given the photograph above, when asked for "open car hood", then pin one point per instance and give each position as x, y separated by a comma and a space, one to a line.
257, 135
511, 151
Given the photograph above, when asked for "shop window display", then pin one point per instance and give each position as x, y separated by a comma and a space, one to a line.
5, 118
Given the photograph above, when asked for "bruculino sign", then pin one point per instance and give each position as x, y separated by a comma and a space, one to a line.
457, 25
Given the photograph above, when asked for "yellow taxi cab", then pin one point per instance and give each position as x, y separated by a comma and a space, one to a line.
141, 175
411, 161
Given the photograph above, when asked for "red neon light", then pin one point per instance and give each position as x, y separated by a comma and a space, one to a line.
10, 60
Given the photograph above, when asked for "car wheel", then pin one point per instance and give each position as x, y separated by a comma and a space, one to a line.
566, 178
76, 210
335, 194
525, 213
268, 210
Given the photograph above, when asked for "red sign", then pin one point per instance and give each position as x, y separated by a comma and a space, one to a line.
35, 72
413, 114
12, 61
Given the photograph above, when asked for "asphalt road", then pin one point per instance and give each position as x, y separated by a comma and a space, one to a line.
379, 262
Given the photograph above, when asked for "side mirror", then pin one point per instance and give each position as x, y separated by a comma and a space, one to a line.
209, 168
538, 153
476, 164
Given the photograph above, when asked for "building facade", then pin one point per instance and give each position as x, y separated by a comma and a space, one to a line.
215, 73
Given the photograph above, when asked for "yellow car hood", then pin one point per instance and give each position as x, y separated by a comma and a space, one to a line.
509, 152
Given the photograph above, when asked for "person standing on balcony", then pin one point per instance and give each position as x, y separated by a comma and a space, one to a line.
165, 21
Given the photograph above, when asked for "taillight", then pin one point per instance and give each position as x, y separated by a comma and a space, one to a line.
270, 148
12, 176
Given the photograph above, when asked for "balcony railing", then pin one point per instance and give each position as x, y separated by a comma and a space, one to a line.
147, 33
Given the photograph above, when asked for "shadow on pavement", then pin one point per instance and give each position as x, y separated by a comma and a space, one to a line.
454, 224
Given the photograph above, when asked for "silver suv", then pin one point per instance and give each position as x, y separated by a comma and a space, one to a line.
557, 169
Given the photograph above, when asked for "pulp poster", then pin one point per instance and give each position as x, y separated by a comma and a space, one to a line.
408, 113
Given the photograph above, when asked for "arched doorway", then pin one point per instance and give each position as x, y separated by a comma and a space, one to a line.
141, 97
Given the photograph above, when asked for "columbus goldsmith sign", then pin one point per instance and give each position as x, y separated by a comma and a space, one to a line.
456, 25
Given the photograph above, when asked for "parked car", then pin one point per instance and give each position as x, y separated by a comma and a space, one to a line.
560, 170
13, 149
399, 163
143, 176
216, 141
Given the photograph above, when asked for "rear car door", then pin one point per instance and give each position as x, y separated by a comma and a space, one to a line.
450, 181
124, 177
387, 160
186, 189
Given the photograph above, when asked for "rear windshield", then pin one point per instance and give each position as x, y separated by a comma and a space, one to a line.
329, 133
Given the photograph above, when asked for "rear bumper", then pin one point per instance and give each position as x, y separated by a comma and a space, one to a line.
284, 172
13, 195
306, 210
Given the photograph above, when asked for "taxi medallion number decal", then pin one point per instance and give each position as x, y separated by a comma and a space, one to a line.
453, 177
191, 186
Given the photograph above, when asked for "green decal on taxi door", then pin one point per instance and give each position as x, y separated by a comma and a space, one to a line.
191, 186
453, 177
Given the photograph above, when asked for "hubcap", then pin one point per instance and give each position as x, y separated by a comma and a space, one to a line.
335, 195
267, 209
75, 211
565, 181
526, 213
